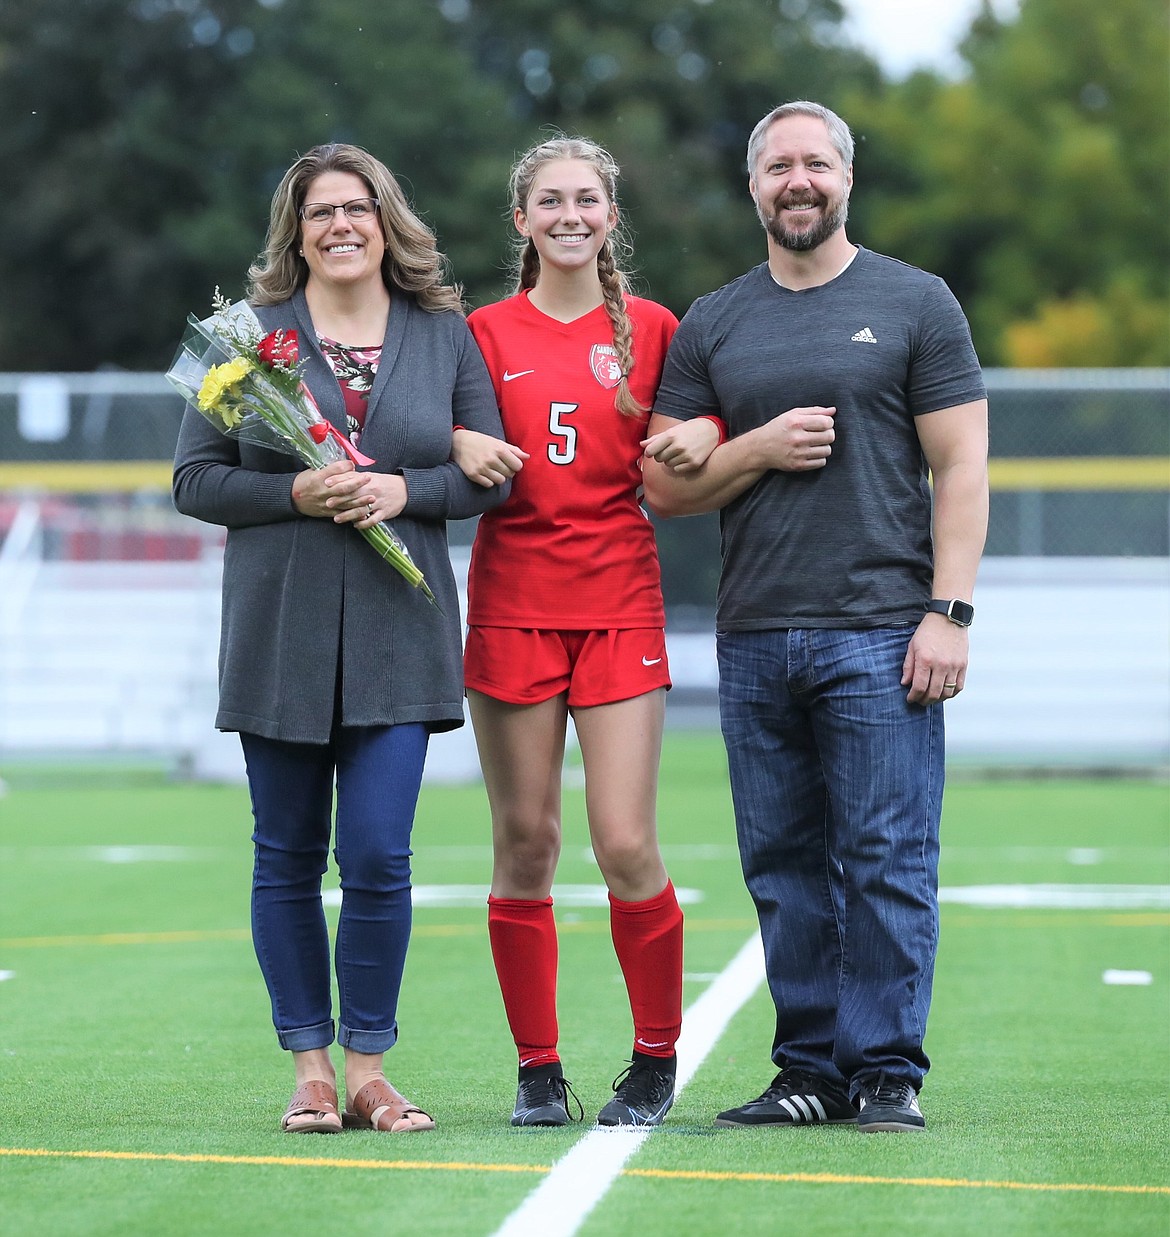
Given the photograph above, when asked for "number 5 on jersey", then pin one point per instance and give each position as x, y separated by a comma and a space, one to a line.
563, 450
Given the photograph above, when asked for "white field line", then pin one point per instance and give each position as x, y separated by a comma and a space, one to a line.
1005, 897
1061, 897
578, 1181
476, 895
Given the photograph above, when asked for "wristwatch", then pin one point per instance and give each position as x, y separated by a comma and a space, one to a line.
959, 612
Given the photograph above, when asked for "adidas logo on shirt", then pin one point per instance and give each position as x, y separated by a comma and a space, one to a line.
864, 336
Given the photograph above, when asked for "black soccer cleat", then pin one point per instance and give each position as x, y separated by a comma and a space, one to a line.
643, 1092
542, 1097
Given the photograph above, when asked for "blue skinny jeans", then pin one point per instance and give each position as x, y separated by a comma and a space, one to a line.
378, 772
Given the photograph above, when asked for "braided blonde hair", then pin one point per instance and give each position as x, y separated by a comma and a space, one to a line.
614, 281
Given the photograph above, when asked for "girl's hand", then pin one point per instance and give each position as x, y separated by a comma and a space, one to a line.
685, 446
485, 460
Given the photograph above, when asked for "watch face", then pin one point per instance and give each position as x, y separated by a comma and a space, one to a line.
960, 612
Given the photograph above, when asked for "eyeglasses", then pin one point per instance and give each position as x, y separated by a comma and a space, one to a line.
321, 213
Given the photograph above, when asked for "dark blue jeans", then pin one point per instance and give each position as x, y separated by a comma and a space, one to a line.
837, 787
378, 771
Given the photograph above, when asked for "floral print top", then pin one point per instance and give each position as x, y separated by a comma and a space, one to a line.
355, 369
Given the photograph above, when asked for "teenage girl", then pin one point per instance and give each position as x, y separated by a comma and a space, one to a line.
566, 617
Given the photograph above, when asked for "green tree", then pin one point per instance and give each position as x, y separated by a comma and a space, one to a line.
1037, 185
395, 78
113, 118
673, 89
148, 136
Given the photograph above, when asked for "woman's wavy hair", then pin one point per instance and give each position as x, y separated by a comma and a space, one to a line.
617, 247
412, 261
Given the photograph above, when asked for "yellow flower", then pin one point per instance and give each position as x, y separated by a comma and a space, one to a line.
221, 381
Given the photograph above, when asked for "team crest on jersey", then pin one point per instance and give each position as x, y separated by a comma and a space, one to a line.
603, 361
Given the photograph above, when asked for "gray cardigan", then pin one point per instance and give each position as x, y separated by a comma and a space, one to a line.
314, 624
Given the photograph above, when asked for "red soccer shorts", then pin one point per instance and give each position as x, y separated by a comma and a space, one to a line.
524, 666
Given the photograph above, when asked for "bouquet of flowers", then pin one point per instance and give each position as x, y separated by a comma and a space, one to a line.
248, 385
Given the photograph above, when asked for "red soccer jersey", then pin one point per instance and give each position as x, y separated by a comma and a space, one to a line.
572, 548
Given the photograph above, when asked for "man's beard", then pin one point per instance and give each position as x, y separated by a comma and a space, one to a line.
806, 239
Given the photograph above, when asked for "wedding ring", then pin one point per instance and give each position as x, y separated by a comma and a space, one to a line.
952, 686
370, 508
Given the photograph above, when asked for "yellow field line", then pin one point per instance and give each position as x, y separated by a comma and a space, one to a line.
939, 1183
127, 938
1090, 472
1040, 918
669, 1174
282, 1161
243, 934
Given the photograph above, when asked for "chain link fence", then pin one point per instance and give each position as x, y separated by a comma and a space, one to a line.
1080, 466
109, 598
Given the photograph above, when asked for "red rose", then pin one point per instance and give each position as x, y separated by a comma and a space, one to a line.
278, 348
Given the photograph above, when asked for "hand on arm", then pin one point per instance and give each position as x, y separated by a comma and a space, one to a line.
954, 441
798, 440
485, 460
683, 446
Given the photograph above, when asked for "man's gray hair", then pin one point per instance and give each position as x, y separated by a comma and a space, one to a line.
839, 133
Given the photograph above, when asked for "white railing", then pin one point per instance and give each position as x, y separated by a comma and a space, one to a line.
1070, 668
20, 561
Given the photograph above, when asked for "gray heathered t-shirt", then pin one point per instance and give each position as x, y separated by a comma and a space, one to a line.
847, 545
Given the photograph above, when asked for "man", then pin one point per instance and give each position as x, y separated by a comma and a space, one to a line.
844, 601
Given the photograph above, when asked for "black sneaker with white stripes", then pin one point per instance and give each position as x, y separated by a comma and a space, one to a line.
643, 1092
543, 1096
794, 1098
889, 1104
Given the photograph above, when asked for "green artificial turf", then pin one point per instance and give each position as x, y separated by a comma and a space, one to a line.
141, 1085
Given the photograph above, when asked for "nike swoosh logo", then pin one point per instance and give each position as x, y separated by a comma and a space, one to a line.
651, 661
508, 377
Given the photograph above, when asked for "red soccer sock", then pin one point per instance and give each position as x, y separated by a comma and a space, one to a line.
648, 941
523, 937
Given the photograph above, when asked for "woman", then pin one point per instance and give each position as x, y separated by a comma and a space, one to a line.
566, 617
332, 668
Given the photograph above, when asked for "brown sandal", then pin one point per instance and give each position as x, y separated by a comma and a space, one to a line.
316, 1100
378, 1106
